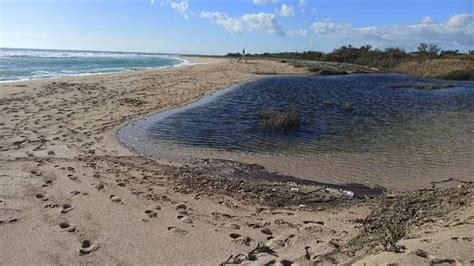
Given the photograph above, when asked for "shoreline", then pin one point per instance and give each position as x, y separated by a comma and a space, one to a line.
133, 135
66, 181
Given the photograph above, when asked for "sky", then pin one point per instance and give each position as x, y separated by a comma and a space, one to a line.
222, 26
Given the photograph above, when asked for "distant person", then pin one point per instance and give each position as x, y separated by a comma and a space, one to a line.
242, 56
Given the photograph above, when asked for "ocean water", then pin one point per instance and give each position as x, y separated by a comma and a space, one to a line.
27, 64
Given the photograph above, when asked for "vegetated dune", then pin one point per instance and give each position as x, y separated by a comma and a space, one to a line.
454, 69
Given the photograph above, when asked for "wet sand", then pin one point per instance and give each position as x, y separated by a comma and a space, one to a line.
70, 193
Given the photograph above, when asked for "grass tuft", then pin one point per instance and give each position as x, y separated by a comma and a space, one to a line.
281, 120
346, 107
424, 86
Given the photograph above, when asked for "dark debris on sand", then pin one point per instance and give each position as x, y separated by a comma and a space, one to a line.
251, 182
393, 217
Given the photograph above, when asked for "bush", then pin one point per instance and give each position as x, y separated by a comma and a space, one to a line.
281, 120
432, 86
346, 107
459, 75
425, 86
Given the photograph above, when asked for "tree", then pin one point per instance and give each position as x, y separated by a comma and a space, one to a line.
433, 49
449, 52
423, 48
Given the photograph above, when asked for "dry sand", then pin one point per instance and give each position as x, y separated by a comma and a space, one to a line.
70, 193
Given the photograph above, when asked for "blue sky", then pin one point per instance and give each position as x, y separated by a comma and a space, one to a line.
221, 26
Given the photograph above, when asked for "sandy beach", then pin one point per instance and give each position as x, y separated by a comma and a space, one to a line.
70, 193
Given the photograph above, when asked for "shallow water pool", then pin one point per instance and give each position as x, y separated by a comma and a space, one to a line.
352, 127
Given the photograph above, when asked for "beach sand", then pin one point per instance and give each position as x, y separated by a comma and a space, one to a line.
70, 193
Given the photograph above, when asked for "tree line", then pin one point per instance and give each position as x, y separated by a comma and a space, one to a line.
366, 55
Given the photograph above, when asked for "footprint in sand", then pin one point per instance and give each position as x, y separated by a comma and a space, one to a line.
266, 231
238, 238
65, 208
115, 199
151, 213
98, 186
254, 225
87, 247
120, 183
231, 226
181, 207
176, 230
75, 193
290, 241
313, 222
184, 219
280, 243
11, 221
47, 183
218, 215
41, 196
65, 226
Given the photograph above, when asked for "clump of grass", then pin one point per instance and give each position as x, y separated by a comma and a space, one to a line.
419, 85
281, 120
446, 68
432, 86
327, 71
346, 107
251, 256
400, 85
329, 102
462, 74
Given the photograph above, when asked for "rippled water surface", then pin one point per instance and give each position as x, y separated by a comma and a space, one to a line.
380, 119
387, 133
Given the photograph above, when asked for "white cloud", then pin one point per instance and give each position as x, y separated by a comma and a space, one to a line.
180, 7
297, 33
461, 21
263, 21
428, 20
256, 21
263, 2
233, 25
456, 31
286, 11
152, 2
302, 3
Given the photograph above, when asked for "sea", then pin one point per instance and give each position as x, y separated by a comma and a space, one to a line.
31, 64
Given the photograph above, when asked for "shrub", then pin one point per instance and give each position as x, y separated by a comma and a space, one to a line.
399, 85
425, 86
346, 107
281, 120
432, 86
459, 75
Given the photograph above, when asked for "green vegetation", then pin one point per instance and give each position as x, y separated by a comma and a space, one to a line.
460, 74
425, 86
431, 86
281, 120
329, 101
429, 60
346, 107
250, 256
